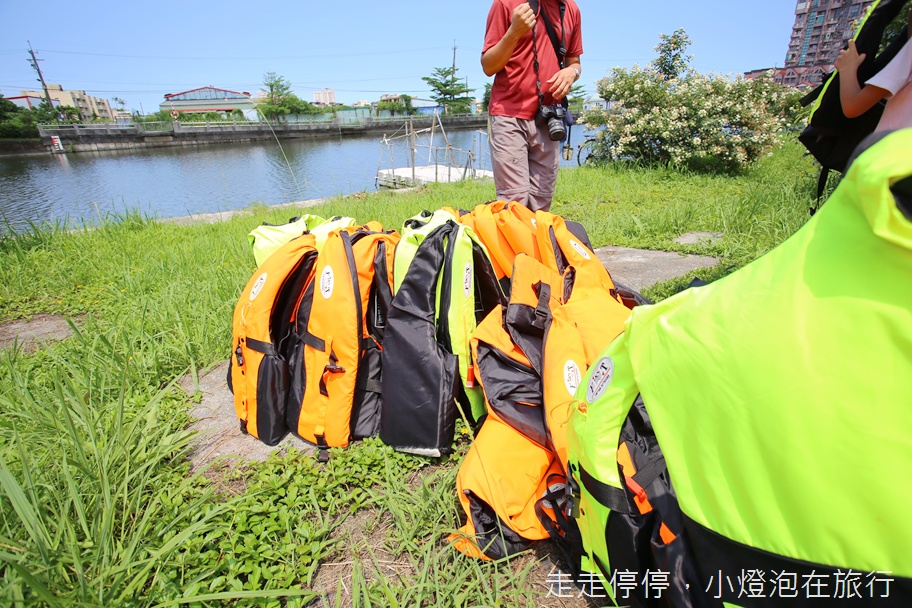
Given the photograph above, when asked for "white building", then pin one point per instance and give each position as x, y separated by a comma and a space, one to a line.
207, 99
327, 97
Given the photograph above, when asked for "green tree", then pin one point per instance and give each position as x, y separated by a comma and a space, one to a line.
407, 102
672, 62
7, 109
393, 107
276, 90
296, 105
280, 100
449, 90
12, 121
576, 97
119, 103
45, 113
486, 100
69, 113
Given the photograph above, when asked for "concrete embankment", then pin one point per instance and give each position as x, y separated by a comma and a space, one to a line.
99, 137
22, 147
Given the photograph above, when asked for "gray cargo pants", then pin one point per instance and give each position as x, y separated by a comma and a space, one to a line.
525, 162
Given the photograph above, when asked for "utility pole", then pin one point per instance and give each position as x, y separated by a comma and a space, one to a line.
34, 62
454, 57
454, 81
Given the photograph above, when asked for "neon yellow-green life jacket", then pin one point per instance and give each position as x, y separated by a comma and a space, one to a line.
781, 398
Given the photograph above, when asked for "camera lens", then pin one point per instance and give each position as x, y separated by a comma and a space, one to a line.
556, 129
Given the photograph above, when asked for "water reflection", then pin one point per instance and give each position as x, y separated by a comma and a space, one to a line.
169, 182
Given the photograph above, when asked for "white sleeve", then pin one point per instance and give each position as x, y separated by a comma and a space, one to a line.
897, 73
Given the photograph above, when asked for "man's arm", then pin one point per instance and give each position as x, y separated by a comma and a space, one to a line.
563, 80
495, 58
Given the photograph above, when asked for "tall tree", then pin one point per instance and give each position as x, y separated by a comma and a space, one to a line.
672, 62
576, 98
449, 90
276, 91
280, 100
486, 100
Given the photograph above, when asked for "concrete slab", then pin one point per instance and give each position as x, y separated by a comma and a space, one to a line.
32, 333
699, 238
641, 268
217, 424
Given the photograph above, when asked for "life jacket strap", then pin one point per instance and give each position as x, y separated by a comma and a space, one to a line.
608, 496
313, 341
261, 347
543, 310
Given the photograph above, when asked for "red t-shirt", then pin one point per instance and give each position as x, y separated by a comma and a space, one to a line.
514, 93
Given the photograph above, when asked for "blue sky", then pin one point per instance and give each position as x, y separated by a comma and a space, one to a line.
140, 52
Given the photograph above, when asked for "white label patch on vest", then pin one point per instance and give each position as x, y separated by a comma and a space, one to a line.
572, 376
467, 280
602, 373
258, 286
580, 249
327, 279
534, 223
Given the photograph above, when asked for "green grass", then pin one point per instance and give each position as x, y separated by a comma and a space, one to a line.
97, 503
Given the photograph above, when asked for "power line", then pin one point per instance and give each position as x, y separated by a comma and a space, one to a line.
244, 58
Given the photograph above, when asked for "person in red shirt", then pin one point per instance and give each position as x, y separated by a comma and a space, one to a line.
524, 158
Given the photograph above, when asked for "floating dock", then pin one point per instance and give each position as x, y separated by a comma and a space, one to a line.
427, 174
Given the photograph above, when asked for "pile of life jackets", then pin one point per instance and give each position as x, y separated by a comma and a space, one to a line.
743, 443
345, 332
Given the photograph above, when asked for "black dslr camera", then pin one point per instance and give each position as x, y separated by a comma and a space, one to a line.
555, 118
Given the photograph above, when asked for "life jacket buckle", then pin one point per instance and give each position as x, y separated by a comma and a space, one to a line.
323, 447
573, 497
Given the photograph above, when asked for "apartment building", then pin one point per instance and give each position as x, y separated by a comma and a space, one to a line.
89, 107
821, 30
326, 97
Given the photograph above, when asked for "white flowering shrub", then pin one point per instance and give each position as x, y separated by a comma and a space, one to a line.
668, 113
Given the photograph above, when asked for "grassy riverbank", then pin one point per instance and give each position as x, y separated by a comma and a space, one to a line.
97, 506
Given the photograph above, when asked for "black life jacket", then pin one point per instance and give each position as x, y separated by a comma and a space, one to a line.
830, 136
426, 359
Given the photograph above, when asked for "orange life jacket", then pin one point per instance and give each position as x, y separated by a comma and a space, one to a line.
339, 372
506, 229
530, 358
259, 375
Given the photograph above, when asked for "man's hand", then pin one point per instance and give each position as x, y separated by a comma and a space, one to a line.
562, 82
849, 60
523, 20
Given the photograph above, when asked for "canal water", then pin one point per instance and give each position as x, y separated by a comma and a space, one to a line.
171, 182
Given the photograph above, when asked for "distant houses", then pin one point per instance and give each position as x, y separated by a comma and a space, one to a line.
420, 107
802, 77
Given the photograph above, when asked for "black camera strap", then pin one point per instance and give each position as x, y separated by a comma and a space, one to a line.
559, 49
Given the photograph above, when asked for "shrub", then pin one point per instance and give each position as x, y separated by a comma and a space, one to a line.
668, 113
